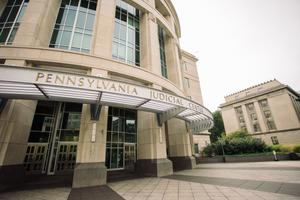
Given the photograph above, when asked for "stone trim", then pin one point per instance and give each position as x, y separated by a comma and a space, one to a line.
154, 167
182, 163
11, 176
89, 174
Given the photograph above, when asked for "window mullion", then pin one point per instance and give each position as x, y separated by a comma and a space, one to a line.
13, 24
74, 25
126, 42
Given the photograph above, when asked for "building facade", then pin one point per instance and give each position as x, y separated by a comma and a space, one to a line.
192, 91
88, 87
270, 111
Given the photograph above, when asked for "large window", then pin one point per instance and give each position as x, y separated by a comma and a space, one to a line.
162, 51
121, 130
126, 40
10, 20
74, 25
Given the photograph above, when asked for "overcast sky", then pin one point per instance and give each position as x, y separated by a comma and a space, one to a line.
241, 43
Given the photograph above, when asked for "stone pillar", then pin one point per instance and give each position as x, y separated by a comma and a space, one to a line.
180, 145
150, 55
90, 169
37, 23
104, 28
152, 150
15, 124
173, 62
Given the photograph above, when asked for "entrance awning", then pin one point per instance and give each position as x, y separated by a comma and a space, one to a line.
41, 84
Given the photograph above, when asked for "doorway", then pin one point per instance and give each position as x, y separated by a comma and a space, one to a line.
52, 143
121, 139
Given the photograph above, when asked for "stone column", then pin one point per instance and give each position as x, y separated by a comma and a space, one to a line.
150, 55
90, 169
37, 23
180, 145
15, 124
104, 28
151, 155
173, 62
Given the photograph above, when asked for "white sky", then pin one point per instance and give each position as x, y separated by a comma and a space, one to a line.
241, 43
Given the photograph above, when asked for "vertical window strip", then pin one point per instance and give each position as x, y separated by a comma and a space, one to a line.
296, 104
74, 25
253, 117
10, 20
162, 51
241, 119
267, 114
126, 39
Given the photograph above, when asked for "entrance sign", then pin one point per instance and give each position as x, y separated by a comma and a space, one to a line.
34, 83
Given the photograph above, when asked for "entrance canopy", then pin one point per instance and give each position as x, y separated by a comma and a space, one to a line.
41, 84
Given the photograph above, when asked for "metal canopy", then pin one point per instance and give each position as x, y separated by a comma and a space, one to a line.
41, 84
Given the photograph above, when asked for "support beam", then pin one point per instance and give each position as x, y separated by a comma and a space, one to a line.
169, 114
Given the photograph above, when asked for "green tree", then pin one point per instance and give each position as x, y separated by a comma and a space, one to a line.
218, 128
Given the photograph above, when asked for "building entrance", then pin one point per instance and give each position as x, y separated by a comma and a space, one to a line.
52, 144
121, 139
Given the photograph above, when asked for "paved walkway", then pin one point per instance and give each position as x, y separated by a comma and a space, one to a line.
230, 181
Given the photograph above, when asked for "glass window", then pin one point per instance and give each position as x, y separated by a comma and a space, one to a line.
10, 20
126, 43
187, 82
163, 62
74, 23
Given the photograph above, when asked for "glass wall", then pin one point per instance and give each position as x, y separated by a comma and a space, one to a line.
126, 40
121, 129
74, 25
10, 20
163, 63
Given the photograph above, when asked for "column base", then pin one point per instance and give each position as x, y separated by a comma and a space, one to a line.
89, 174
11, 176
154, 167
182, 163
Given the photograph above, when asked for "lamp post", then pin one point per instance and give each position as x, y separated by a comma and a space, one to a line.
223, 152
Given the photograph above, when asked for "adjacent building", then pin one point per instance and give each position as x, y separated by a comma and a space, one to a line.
89, 87
192, 90
270, 111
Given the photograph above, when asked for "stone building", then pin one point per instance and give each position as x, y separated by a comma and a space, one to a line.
192, 90
270, 111
90, 87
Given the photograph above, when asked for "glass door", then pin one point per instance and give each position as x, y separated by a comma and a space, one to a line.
52, 143
129, 156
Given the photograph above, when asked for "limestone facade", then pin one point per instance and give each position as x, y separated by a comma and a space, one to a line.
157, 149
270, 111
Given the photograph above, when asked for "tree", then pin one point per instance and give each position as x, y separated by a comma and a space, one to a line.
218, 128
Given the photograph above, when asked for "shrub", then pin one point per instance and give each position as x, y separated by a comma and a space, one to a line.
237, 143
209, 150
285, 148
297, 148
